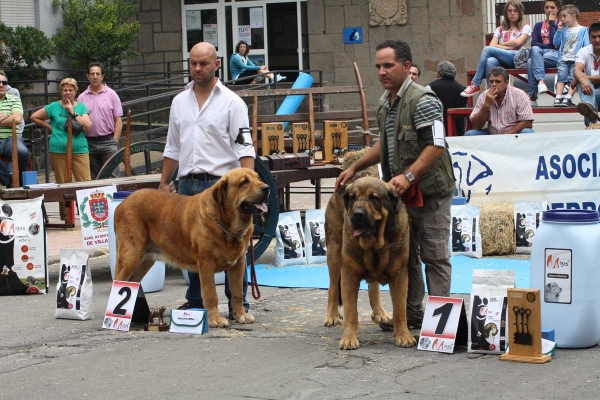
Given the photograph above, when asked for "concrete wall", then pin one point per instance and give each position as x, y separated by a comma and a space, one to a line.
437, 30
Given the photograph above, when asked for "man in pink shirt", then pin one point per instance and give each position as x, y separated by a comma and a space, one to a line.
105, 111
505, 108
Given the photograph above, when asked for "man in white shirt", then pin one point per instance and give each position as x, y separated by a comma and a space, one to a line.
208, 136
587, 74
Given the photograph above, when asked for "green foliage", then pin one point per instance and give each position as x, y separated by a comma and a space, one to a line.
23, 51
97, 30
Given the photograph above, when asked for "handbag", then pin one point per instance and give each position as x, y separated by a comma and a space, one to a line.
521, 58
76, 126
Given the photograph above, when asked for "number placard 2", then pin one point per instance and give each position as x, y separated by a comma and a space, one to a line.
121, 303
444, 325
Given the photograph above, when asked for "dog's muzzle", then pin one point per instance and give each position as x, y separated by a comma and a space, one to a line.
259, 206
362, 222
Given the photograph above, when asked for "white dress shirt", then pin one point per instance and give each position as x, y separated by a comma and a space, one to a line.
204, 140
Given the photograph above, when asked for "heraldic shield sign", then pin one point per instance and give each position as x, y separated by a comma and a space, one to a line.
99, 206
94, 206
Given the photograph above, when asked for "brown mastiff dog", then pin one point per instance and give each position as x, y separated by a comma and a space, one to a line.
374, 246
208, 233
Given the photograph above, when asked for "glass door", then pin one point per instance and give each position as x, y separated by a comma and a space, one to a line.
205, 23
250, 19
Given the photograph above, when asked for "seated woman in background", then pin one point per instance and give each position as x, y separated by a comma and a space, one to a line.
58, 113
241, 66
507, 40
543, 53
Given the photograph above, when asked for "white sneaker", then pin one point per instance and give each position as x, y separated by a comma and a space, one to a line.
281, 78
534, 103
542, 88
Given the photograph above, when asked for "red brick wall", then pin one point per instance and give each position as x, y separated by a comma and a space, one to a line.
588, 18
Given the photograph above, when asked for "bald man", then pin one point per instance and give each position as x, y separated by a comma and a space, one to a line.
208, 135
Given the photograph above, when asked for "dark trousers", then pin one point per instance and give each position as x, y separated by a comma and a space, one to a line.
100, 151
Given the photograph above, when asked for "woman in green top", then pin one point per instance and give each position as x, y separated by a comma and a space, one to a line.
57, 114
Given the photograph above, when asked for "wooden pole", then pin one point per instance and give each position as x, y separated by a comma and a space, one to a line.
69, 167
311, 125
15, 157
363, 103
127, 152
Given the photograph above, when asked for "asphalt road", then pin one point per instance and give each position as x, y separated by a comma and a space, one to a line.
286, 354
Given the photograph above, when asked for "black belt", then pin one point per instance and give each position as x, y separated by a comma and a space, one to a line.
200, 177
100, 138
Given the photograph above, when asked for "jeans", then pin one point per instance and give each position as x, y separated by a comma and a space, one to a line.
492, 57
22, 154
539, 60
565, 71
485, 131
593, 99
193, 295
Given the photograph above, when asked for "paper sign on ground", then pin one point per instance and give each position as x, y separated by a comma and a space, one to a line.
121, 303
444, 323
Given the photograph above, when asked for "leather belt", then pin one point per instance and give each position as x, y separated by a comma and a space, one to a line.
101, 138
200, 177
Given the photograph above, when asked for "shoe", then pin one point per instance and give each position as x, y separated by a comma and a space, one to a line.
588, 111
557, 102
566, 102
534, 103
542, 88
281, 78
187, 305
389, 325
470, 91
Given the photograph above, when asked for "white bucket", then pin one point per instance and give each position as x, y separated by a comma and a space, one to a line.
564, 267
155, 278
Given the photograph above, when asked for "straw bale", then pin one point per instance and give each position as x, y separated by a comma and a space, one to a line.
351, 157
497, 225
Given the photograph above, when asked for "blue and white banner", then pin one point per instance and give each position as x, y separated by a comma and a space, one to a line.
560, 168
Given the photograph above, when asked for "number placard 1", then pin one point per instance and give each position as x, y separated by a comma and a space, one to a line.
121, 303
444, 325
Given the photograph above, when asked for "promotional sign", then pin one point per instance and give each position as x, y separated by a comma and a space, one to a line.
244, 33
121, 303
353, 35
93, 208
444, 325
560, 168
23, 267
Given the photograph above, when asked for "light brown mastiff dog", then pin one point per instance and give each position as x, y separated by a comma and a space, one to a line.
207, 233
374, 246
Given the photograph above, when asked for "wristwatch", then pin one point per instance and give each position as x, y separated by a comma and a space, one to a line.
409, 177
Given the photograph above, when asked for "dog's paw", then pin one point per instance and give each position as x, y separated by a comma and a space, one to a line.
406, 340
333, 321
349, 343
218, 322
380, 317
245, 319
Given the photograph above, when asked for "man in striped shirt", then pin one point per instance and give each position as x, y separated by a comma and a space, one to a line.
505, 108
413, 152
11, 110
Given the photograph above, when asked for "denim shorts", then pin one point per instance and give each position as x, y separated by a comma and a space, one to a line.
565, 71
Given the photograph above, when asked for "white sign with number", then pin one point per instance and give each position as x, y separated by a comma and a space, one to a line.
440, 324
121, 303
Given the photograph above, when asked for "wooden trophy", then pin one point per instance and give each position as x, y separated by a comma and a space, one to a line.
272, 138
335, 139
524, 328
300, 138
159, 325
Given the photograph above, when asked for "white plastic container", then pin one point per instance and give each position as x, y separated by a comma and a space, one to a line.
565, 268
155, 278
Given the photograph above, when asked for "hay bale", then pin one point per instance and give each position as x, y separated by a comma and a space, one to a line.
351, 157
497, 226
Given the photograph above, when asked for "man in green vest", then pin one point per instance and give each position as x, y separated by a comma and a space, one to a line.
415, 160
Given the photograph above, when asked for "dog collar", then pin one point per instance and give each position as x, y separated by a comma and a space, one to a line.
238, 236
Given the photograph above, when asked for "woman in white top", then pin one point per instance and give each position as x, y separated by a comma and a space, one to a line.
507, 40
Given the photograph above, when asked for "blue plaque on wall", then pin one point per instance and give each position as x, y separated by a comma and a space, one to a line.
353, 35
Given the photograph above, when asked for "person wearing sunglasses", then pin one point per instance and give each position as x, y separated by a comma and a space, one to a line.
11, 110
507, 40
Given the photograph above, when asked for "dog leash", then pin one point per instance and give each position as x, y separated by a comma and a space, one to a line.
253, 281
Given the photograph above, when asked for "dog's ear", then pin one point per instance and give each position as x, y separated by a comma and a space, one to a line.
220, 191
392, 201
344, 191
